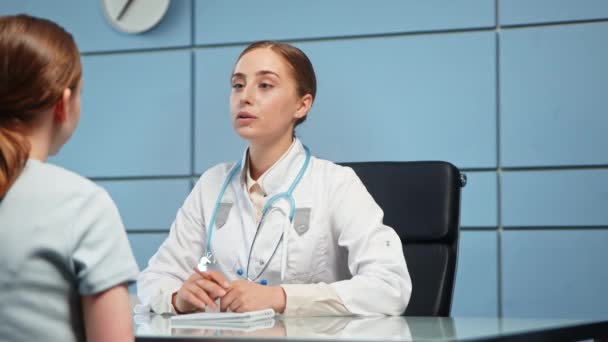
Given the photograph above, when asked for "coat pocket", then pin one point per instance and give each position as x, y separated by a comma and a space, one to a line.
301, 221
223, 211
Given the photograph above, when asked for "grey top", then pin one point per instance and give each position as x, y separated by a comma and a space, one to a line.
61, 237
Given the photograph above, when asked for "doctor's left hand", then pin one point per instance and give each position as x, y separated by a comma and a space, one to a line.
246, 295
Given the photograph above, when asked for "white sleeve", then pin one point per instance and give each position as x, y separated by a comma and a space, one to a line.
318, 299
176, 258
381, 283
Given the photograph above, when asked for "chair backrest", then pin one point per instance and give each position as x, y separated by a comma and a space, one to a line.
421, 201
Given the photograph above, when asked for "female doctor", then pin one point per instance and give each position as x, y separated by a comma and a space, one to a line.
279, 228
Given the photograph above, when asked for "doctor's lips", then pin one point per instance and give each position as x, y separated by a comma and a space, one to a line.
245, 117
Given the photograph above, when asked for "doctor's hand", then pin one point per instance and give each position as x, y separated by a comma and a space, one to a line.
201, 289
245, 295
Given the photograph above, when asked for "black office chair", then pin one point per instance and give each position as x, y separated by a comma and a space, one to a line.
421, 201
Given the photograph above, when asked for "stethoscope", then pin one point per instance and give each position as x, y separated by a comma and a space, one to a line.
208, 259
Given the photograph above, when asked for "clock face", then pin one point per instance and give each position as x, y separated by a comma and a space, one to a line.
134, 16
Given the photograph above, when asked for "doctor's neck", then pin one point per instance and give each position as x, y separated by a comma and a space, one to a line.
263, 155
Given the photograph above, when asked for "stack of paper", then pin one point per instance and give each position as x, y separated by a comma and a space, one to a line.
228, 320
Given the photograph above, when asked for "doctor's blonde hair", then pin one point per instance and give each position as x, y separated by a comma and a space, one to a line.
300, 65
39, 59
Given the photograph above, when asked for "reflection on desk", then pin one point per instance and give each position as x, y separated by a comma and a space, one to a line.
348, 328
338, 328
152, 327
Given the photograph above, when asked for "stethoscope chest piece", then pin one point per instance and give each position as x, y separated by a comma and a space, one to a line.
206, 263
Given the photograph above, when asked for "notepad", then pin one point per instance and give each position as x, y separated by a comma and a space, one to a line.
222, 317
248, 326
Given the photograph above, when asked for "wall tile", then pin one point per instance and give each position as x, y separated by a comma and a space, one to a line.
555, 198
136, 117
275, 19
148, 204
517, 12
476, 291
145, 245
479, 207
555, 274
552, 95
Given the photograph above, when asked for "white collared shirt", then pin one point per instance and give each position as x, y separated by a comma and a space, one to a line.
256, 194
339, 257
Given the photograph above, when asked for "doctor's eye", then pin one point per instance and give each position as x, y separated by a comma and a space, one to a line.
237, 85
265, 85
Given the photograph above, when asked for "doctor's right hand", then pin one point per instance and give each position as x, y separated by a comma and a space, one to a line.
200, 290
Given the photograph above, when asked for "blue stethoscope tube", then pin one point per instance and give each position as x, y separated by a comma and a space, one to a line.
288, 196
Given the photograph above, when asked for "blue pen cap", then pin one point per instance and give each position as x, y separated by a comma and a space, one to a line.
239, 272
263, 282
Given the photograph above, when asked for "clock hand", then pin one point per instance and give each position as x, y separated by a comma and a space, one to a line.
124, 9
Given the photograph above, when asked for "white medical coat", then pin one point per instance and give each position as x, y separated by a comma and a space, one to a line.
337, 238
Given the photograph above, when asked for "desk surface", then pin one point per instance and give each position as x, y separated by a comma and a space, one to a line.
158, 328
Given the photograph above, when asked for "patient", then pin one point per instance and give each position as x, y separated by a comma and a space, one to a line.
64, 256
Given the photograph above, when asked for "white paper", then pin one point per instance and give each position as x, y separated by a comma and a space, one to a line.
224, 316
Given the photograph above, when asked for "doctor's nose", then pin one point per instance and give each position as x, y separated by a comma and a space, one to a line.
247, 95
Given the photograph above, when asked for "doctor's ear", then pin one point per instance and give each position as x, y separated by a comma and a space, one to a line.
62, 107
304, 105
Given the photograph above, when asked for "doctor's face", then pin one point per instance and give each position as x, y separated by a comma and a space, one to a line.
264, 103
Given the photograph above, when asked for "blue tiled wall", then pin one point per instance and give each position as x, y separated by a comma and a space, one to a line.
511, 91
476, 277
557, 273
552, 81
525, 12
132, 124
